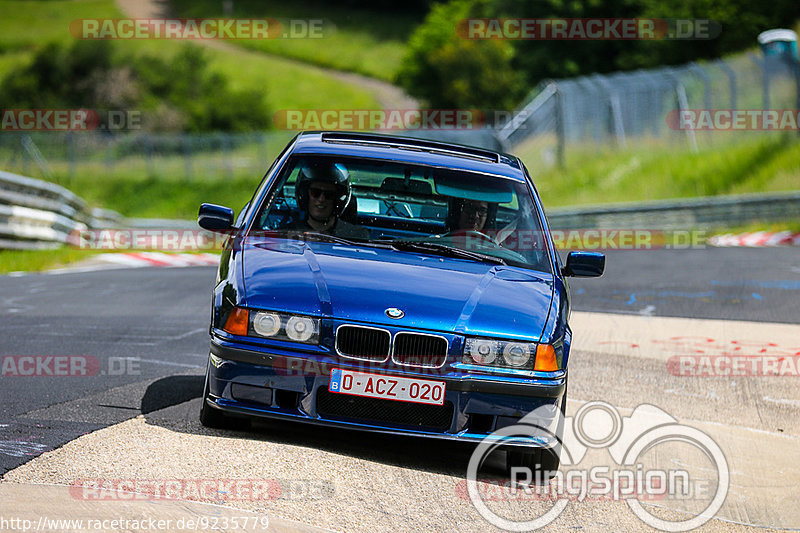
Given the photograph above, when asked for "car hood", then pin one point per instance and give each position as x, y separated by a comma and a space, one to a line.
359, 284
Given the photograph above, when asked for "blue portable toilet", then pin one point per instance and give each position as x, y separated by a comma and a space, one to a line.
779, 42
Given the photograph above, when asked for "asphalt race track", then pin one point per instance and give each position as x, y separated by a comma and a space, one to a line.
753, 284
144, 333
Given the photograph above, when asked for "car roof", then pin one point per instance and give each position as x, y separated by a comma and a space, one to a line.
409, 150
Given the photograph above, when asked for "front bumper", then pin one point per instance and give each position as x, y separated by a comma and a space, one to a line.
262, 384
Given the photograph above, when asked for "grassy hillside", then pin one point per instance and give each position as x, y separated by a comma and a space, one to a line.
367, 42
658, 171
25, 24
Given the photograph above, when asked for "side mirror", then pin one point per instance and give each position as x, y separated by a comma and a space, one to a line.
215, 217
584, 264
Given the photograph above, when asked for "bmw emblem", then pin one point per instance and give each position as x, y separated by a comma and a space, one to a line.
395, 313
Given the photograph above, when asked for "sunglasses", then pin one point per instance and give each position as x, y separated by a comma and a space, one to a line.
325, 193
480, 211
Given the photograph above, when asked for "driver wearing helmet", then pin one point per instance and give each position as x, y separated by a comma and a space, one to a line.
323, 192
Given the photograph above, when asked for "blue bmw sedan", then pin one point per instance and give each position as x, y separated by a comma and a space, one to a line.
394, 285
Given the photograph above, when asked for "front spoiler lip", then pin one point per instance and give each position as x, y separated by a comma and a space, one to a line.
551, 388
234, 407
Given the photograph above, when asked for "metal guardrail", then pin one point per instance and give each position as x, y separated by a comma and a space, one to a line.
36, 214
690, 213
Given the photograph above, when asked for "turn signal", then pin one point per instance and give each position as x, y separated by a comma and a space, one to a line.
237, 321
545, 358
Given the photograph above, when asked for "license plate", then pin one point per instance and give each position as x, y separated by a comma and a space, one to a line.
387, 387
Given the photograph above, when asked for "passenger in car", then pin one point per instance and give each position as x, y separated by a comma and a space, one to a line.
323, 192
471, 215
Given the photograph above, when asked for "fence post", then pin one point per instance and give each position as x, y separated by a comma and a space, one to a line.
149, 149
559, 120
226, 151
764, 77
587, 85
70, 157
616, 111
263, 151
109, 154
22, 155
796, 69
683, 104
694, 67
186, 143
731, 80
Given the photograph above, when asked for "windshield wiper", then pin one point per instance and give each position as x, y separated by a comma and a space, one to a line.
442, 249
325, 237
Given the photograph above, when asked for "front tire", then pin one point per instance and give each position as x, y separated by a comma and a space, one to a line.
215, 418
544, 460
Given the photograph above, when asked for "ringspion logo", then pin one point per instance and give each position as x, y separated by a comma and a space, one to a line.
635, 443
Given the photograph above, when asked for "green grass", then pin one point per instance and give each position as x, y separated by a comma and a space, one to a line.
658, 171
167, 186
38, 260
157, 197
368, 42
26, 23
286, 84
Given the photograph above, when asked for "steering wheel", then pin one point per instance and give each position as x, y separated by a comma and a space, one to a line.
473, 234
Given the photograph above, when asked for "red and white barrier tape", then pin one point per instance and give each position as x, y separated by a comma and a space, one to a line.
143, 259
756, 239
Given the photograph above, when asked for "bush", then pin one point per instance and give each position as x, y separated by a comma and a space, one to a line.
447, 71
175, 94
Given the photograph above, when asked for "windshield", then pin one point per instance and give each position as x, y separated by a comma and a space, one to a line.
407, 207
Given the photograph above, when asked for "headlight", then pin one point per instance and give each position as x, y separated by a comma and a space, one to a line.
517, 354
266, 324
272, 325
499, 353
300, 328
483, 351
